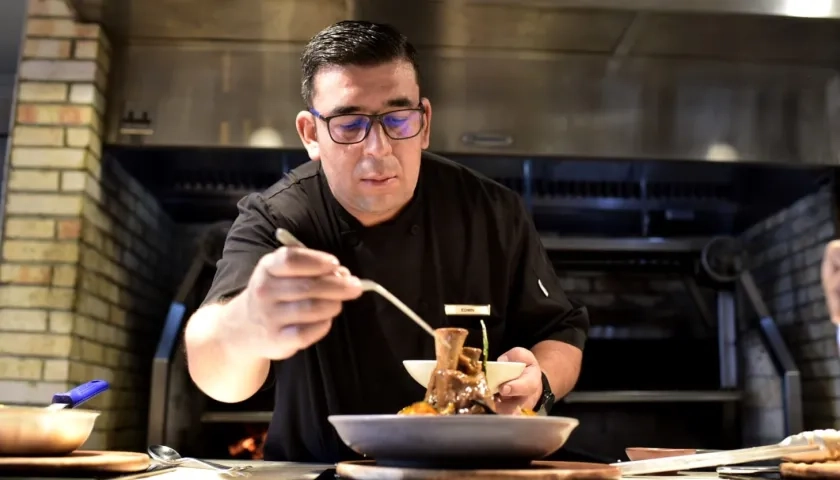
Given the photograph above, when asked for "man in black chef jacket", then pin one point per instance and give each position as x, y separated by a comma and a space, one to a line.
444, 239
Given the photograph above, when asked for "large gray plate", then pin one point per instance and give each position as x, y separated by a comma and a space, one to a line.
453, 440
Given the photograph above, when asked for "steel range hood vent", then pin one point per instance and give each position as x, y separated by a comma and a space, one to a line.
717, 80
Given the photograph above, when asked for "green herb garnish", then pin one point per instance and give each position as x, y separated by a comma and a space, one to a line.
486, 351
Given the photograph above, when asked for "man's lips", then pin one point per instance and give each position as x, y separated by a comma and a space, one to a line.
381, 179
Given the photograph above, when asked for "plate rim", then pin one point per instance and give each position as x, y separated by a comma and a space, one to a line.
463, 417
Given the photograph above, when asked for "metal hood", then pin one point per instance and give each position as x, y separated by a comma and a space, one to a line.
719, 79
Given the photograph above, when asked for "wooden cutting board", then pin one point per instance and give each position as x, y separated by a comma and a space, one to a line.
79, 461
368, 470
810, 470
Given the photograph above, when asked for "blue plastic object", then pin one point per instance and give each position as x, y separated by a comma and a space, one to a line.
81, 394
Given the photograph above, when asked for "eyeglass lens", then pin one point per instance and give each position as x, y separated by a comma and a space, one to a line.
398, 125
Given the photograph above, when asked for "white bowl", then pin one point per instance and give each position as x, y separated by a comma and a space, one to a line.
497, 372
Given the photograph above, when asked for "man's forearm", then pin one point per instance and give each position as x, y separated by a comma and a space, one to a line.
561, 364
221, 374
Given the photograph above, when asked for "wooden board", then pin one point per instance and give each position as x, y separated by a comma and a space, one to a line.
810, 470
79, 461
368, 470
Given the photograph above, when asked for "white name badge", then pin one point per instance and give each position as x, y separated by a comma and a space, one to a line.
482, 310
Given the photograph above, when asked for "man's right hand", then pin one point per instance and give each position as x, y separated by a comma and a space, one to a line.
290, 302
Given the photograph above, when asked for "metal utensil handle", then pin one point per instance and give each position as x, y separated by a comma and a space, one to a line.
716, 459
375, 287
81, 394
286, 238
208, 463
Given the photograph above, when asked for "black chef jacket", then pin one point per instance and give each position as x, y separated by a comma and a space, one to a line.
463, 240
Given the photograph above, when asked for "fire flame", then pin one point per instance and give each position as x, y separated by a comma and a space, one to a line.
251, 445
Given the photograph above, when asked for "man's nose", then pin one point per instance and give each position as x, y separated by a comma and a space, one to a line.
377, 143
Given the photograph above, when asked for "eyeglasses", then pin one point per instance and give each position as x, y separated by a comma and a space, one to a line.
351, 128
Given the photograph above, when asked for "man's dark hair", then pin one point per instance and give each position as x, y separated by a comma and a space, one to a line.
353, 42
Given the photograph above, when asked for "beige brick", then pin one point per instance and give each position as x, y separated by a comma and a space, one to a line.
37, 180
59, 70
56, 370
87, 94
49, 8
40, 251
62, 28
46, 48
25, 274
41, 114
36, 344
20, 368
91, 352
42, 92
48, 157
38, 136
19, 296
92, 306
23, 320
69, 229
64, 276
118, 316
61, 322
33, 203
30, 228
73, 181
93, 166
25, 392
86, 49
93, 189
85, 327
84, 137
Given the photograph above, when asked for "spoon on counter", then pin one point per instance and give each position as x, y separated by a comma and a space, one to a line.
168, 456
286, 238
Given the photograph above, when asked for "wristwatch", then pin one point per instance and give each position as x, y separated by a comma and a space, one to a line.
546, 400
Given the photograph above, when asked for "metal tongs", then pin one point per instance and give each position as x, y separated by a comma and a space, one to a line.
286, 238
801, 443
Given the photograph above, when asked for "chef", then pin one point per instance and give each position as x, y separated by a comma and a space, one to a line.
452, 244
831, 280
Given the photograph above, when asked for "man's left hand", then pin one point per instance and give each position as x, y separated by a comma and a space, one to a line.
524, 391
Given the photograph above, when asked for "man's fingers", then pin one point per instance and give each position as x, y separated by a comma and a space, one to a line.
516, 388
291, 289
298, 262
304, 311
305, 335
343, 271
518, 354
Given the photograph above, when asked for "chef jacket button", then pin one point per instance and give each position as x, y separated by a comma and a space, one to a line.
415, 229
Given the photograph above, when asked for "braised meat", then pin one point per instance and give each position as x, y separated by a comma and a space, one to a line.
458, 384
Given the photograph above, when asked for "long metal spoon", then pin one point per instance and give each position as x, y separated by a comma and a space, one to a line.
169, 456
286, 238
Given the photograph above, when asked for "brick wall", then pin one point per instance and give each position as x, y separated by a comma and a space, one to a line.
786, 250
84, 278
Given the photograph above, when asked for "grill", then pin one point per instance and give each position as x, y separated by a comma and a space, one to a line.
650, 220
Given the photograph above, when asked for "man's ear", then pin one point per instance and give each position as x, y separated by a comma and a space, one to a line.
427, 124
308, 133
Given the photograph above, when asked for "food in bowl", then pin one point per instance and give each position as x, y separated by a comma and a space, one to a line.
456, 382
496, 373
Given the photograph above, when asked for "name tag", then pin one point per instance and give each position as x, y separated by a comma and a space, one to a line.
482, 310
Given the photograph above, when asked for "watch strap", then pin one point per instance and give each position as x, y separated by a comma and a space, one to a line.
546, 400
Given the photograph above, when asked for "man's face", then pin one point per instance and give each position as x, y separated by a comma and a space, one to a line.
375, 178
